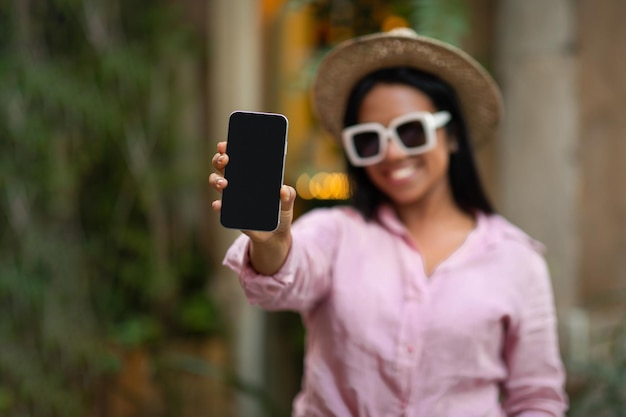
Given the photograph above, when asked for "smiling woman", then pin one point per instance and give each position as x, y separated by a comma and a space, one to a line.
411, 87
403, 177
416, 297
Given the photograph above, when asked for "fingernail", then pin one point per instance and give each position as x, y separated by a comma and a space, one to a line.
219, 182
220, 159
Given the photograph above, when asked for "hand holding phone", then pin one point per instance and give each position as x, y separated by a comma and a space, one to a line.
256, 147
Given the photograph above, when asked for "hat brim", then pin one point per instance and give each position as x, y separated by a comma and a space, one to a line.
479, 96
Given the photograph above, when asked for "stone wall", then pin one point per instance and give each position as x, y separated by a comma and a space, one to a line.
560, 158
602, 156
539, 172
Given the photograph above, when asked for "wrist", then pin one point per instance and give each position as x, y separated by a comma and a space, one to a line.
268, 255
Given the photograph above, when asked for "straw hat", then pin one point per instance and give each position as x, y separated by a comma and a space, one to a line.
350, 61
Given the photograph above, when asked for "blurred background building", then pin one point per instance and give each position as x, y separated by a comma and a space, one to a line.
112, 293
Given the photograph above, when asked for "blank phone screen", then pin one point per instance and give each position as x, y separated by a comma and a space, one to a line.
256, 147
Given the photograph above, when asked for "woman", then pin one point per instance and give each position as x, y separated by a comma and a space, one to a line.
418, 300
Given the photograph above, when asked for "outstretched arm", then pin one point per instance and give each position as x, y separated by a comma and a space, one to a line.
268, 250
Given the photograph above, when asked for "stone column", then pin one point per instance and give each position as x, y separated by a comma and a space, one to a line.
235, 71
539, 168
602, 43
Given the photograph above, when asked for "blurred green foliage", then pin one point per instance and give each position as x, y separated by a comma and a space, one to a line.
447, 20
603, 388
599, 380
100, 197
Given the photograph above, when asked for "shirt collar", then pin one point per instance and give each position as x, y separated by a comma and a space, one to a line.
491, 230
389, 219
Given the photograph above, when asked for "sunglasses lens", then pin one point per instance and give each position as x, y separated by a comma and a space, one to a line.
412, 134
366, 144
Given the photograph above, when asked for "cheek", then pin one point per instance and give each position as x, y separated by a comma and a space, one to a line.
446, 145
377, 177
439, 157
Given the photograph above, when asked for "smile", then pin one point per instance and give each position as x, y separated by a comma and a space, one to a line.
402, 173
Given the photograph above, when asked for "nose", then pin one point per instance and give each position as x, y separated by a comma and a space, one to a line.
394, 152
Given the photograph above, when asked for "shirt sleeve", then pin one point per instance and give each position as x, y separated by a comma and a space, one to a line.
305, 277
535, 384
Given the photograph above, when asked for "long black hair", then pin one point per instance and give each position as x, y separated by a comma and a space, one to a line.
467, 189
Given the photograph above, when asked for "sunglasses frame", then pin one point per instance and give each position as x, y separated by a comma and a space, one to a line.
430, 121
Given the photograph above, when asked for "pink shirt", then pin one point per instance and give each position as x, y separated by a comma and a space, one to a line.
475, 339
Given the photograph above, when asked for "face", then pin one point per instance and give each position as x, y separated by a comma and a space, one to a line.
406, 180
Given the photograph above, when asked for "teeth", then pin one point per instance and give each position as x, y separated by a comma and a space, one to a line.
402, 173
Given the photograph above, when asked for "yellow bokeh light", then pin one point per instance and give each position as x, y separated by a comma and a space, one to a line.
393, 22
316, 184
302, 187
323, 186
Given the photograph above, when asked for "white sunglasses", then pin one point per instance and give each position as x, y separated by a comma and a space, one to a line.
414, 133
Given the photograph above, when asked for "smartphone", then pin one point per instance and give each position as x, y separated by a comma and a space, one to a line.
256, 147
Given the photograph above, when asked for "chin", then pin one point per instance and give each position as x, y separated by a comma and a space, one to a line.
405, 200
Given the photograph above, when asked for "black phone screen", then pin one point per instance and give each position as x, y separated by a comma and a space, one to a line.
256, 148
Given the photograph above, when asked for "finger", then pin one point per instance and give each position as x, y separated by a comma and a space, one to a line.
219, 161
287, 197
216, 205
218, 182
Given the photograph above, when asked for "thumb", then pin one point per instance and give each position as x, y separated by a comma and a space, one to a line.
287, 199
